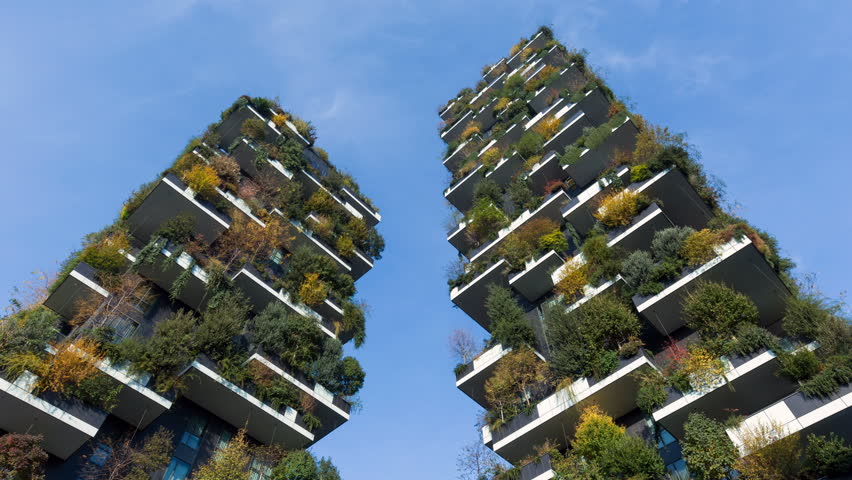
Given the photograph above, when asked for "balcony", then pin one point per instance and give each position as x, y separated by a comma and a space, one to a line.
165, 270
535, 43
538, 469
679, 199
506, 169
555, 418
545, 95
472, 380
311, 185
481, 98
580, 210
454, 131
455, 159
470, 298
137, 404
592, 162
534, 280
297, 235
332, 410
245, 154
550, 208
240, 408
640, 232
740, 266
369, 215
495, 70
801, 414
750, 383
460, 194
170, 198
260, 294
229, 128
65, 424
80, 285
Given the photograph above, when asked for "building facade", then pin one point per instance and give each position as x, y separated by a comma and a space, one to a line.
594, 239
218, 301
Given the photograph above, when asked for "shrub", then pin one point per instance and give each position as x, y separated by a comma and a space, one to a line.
585, 340
345, 246
294, 338
572, 281
485, 220
827, 456
254, 128
279, 119
296, 465
708, 451
203, 180
228, 171
704, 369
170, 348
229, 463
221, 323
521, 195
489, 190
508, 322
470, 130
750, 338
837, 371
555, 240
548, 127
313, 291
502, 103
772, 453
530, 144
106, 254
618, 209
491, 157
21, 457
28, 330
519, 378
340, 375
699, 247
652, 393
637, 267
717, 310
304, 261
804, 314
639, 173
602, 262
305, 129
668, 242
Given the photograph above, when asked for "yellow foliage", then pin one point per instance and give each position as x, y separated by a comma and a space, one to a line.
313, 290
491, 157
528, 164
471, 130
321, 202
345, 246
540, 78
72, 363
280, 120
517, 47
572, 280
593, 430
705, 370
502, 103
771, 453
526, 53
618, 209
700, 247
464, 169
548, 127
202, 179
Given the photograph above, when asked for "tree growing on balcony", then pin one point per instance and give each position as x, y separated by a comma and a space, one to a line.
229, 463
709, 453
129, 460
519, 378
509, 326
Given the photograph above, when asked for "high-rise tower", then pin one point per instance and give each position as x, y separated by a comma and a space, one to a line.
218, 301
594, 251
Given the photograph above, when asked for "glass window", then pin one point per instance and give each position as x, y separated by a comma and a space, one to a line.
178, 470
664, 438
224, 440
122, 326
260, 470
277, 256
100, 455
192, 435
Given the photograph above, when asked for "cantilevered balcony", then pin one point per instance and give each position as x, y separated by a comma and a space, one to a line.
472, 379
555, 418
592, 162
79, 286
165, 270
482, 97
332, 410
471, 296
137, 404
495, 70
679, 200
312, 185
169, 199
800, 414
246, 155
506, 169
230, 128
539, 469
550, 208
455, 159
371, 216
297, 235
547, 94
640, 232
580, 210
535, 279
65, 424
205, 386
453, 132
749, 384
535, 43
460, 194
260, 294
740, 266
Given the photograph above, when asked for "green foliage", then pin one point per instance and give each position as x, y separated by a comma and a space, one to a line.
297, 465
716, 310
750, 338
170, 348
800, 365
219, 325
178, 229
652, 393
340, 375
488, 189
312, 422
294, 338
290, 153
354, 322
522, 196
637, 267
28, 330
304, 261
485, 220
585, 341
708, 451
827, 456
805, 314
530, 144
254, 128
554, 240
602, 262
509, 325
837, 371
668, 242
640, 172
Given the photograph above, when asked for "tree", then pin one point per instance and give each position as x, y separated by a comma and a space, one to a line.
295, 338
202, 179
221, 323
28, 330
297, 465
170, 348
128, 461
771, 454
246, 240
476, 462
462, 345
827, 455
716, 310
126, 292
339, 374
21, 457
229, 463
709, 453
518, 376
508, 323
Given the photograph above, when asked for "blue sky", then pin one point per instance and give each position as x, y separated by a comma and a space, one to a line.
97, 97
